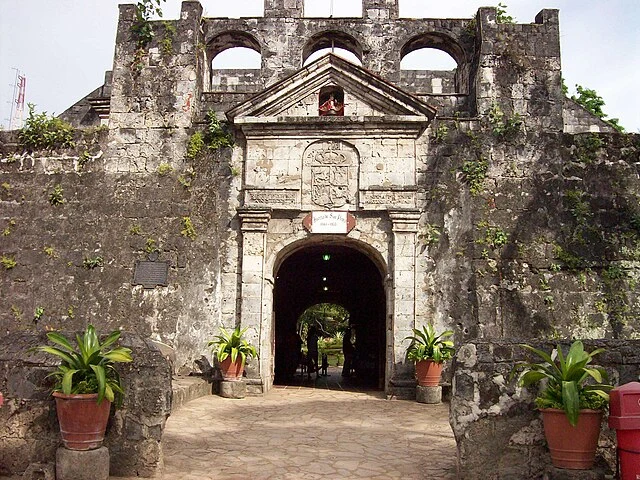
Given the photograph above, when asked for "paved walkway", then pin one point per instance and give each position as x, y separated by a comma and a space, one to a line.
308, 432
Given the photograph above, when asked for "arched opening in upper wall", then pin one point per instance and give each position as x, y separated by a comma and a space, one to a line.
434, 63
332, 41
332, 9
229, 52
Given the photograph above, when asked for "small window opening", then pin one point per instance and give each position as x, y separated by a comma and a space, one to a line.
331, 102
428, 59
237, 58
340, 52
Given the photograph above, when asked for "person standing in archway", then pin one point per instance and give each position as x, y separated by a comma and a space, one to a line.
347, 351
312, 352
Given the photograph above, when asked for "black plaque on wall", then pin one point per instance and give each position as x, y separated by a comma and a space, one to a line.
150, 274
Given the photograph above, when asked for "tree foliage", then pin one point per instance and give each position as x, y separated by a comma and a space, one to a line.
593, 102
328, 318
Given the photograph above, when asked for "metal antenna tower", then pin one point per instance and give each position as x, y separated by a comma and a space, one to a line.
17, 102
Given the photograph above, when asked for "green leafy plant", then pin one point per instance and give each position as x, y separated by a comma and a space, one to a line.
232, 344
474, 174
217, 134
429, 234
427, 344
92, 262
188, 229
502, 16
83, 158
50, 251
7, 262
587, 147
167, 41
568, 379
186, 178
16, 312
56, 196
593, 102
494, 237
38, 313
151, 246
503, 126
42, 132
164, 169
141, 28
7, 231
135, 229
441, 133
195, 145
88, 367
470, 28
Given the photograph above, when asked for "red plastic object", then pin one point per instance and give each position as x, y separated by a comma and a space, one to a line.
624, 417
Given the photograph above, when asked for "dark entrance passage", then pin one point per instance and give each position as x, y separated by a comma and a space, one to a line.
331, 274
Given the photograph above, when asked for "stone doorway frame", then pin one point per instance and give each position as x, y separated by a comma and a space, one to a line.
259, 266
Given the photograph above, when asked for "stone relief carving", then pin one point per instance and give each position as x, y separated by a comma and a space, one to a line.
274, 198
380, 199
331, 170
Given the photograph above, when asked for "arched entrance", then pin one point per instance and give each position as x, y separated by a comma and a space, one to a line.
332, 274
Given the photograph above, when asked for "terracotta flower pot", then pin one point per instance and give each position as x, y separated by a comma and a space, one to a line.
231, 371
82, 420
572, 447
428, 373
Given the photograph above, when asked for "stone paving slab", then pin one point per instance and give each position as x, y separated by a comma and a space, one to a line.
309, 433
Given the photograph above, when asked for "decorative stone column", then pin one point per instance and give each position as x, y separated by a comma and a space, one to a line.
405, 228
254, 222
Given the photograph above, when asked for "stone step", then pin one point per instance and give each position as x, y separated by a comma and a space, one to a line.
186, 389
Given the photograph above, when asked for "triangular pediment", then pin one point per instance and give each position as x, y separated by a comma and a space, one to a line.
366, 95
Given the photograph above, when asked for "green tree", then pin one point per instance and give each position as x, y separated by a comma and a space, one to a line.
328, 318
593, 102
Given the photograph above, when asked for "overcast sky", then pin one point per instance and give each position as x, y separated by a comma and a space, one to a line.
64, 46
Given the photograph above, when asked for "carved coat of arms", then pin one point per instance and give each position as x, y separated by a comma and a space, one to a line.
330, 179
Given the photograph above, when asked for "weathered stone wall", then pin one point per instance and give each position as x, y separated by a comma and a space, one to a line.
498, 432
377, 41
428, 81
29, 431
119, 218
523, 231
549, 233
577, 119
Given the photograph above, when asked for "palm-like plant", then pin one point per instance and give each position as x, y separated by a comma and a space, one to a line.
567, 380
232, 344
88, 368
427, 344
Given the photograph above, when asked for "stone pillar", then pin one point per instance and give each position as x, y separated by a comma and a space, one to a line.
380, 9
82, 465
283, 8
154, 92
253, 225
405, 228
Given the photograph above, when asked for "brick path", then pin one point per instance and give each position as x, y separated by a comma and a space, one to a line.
309, 433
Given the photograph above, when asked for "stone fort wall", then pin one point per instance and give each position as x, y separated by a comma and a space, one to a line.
527, 234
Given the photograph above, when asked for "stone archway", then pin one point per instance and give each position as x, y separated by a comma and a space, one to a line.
338, 273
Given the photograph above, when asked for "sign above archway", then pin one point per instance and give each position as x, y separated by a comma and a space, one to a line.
336, 222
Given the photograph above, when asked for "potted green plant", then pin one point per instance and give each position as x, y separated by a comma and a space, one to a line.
86, 383
231, 350
429, 350
572, 400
